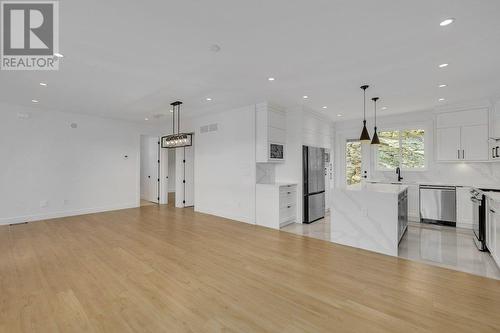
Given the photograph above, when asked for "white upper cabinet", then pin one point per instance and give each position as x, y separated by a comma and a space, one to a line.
474, 141
270, 134
448, 144
462, 136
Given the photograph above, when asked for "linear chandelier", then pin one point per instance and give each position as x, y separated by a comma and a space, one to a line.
177, 140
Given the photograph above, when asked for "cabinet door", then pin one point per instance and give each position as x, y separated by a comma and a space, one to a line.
496, 222
464, 208
448, 144
475, 143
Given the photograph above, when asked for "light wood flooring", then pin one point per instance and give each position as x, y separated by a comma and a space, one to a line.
161, 269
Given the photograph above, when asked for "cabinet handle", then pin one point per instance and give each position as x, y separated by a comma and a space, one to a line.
289, 192
463, 154
289, 207
493, 152
496, 151
491, 210
458, 153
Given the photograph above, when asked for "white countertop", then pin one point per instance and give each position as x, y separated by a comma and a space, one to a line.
425, 182
378, 187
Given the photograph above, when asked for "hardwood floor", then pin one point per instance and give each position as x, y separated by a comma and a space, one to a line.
161, 269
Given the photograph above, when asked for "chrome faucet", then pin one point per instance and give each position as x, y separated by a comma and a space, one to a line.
398, 172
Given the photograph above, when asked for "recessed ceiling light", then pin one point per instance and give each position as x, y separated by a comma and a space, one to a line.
271, 79
59, 55
443, 85
146, 119
208, 99
325, 107
446, 22
339, 115
305, 97
214, 48
441, 99
34, 100
43, 84
443, 65
384, 108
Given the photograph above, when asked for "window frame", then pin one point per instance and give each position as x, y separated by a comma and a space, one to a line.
400, 155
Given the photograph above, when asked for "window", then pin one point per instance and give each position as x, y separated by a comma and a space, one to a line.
353, 162
401, 148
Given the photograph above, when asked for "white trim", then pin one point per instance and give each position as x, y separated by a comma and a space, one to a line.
59, 214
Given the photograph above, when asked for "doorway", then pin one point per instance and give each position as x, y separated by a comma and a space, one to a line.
171, 176
179, 175
150, 170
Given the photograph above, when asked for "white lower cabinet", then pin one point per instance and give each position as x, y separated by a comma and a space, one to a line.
276, 205
464, 208
493, 229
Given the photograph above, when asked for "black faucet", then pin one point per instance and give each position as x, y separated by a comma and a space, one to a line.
398, 172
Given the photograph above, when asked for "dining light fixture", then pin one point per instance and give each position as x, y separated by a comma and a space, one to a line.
375, 140
176, 140
365, 137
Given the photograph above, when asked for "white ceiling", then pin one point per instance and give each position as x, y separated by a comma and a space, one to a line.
130, 59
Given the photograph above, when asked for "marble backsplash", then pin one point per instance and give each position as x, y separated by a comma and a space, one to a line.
453, 173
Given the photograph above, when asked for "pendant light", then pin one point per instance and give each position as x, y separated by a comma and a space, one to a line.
375, 140
176, 140
365, 137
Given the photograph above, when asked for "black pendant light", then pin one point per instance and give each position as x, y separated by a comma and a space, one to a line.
375, 140
365, 136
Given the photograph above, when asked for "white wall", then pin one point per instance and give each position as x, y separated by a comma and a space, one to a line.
453, 173
74, 171
225, 165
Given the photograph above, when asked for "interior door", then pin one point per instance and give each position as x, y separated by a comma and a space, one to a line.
149, 168
189, 176
475, 143
448, 144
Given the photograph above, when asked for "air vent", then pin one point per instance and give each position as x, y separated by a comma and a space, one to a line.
204, 129
209, 128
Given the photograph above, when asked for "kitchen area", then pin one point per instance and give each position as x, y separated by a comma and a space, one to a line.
407, 196
428, 192
448, 168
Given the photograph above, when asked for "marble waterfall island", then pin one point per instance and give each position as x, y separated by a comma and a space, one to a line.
372, 217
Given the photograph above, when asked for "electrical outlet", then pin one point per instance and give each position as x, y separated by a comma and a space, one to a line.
44, 203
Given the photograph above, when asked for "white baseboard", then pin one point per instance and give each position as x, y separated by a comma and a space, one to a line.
59, 214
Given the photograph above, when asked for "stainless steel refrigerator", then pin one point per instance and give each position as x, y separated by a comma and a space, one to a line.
313, 160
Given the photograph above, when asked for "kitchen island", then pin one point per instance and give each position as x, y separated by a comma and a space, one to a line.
372, 217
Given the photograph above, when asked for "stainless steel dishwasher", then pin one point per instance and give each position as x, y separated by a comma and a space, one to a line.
438, 204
